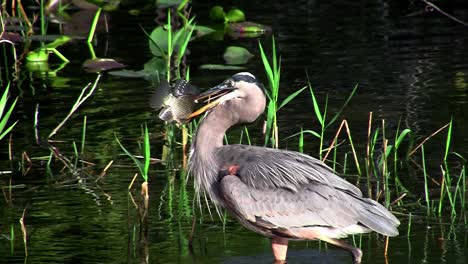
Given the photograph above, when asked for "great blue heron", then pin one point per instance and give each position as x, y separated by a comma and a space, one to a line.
284, 195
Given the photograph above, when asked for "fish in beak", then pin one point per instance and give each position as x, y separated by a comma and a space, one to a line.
215, 96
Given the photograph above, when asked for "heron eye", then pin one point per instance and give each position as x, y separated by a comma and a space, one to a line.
230, 83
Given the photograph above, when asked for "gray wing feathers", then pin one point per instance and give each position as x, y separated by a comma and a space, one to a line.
264, 168
314, 205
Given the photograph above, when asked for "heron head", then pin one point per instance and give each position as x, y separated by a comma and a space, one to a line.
241, 92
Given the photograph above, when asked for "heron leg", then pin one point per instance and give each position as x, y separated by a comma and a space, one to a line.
355, 252
279, 246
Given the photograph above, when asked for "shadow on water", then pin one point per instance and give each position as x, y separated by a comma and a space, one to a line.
411, 68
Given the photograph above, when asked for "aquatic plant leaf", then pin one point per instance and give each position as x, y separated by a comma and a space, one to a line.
318, 114
155, 67
39, 55
217, 13
235, 55
58, 42
235, 15
401, 137
201, 31
158, 42
221, 67
135, 160
130, 73
291, 97
4, 118
248, 27
147, 153
102, 64
168, 3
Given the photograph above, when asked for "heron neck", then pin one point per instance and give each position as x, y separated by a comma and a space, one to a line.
211, 131
204, 165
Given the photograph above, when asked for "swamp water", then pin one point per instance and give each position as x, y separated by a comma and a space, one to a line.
410, 69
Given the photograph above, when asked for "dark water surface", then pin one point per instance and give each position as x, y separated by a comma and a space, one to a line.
409, 68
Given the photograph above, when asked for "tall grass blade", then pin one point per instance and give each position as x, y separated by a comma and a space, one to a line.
343, 106
426, 187
291, 97
147, 152
94, 24
401, 137
448, 140
4, 118
267, 66
135, 160
301, 141
318, 114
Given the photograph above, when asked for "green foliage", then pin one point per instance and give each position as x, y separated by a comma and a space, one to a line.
4, 118
217, 13
42, 53
235, 55
143, 167
235, 15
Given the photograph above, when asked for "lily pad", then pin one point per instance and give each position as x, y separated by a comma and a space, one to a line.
248, 27
217, 13
235, 55
102, 64
158, 41
168, 3
221, 67
235, 15
154, 69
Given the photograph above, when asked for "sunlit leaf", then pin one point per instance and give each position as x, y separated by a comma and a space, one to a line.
158, 42
58, 42
39, 55
291, 97
4, 118
316, 107
235, 15
217, 13
235, 55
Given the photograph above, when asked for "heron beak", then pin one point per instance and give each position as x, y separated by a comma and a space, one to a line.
215, 96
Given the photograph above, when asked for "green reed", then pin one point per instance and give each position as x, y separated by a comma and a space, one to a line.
5, 117
426, 187
273, 72
142, 167
92, 30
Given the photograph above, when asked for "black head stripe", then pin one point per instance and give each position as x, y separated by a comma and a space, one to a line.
244, 77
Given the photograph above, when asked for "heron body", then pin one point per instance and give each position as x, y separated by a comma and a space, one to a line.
284, 195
